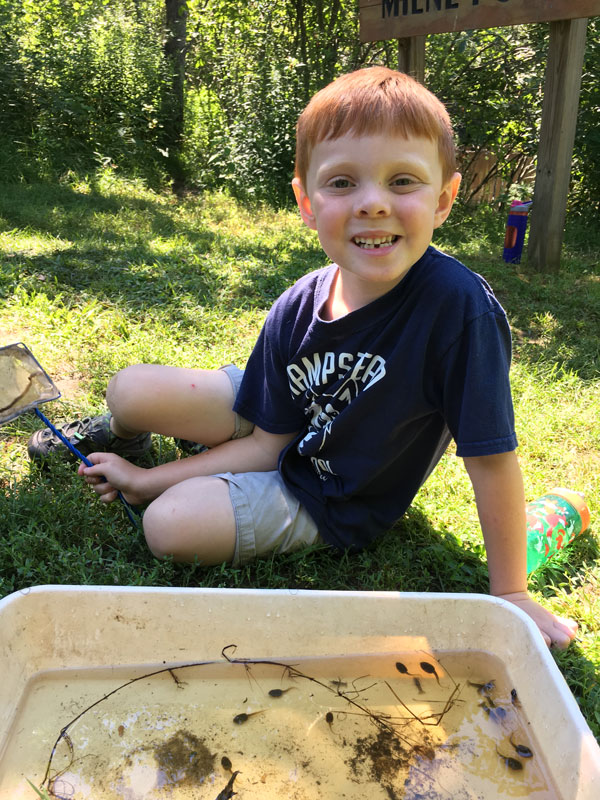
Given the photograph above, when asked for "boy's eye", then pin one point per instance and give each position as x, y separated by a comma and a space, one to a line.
403, 181
340, 183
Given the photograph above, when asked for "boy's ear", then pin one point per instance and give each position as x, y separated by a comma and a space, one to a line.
304, 204
447, 198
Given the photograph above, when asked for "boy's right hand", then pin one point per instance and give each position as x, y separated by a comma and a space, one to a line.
112, 474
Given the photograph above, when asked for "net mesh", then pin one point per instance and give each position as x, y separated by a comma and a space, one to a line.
23, 382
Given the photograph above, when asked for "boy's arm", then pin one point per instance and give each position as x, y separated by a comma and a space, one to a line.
498, 487
258, 452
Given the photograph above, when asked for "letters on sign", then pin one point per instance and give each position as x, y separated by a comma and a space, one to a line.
387, 19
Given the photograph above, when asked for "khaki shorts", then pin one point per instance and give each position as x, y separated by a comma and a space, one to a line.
268, 517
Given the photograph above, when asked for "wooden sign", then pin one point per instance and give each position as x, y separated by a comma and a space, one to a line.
395, 19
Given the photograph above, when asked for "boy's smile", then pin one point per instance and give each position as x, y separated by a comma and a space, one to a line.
374, 202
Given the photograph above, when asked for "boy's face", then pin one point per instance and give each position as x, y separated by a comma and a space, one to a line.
374, 201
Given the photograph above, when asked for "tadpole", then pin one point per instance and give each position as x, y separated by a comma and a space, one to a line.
226, 763
495, 713
279, 692
511, 763
402, 669
483, 688
417, 683
239, 719
329, 718
429, 668
521, 749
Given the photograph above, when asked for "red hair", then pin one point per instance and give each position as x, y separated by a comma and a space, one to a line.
371, 101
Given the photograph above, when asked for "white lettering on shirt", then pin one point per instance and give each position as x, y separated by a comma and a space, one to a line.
316, 370
330, 382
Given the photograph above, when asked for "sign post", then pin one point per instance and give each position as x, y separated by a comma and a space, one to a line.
410, 20
557, 134
411, 56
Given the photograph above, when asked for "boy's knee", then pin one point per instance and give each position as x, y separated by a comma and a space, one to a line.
168, 533
160, 532
123, 388
190, 532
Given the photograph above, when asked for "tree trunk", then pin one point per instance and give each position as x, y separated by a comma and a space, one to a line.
173, 98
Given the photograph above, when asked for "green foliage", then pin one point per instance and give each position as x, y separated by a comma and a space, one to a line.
40, 792
89, 83
491, 82
249, 76
81, 87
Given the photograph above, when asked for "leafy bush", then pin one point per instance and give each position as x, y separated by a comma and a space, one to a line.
88, 84
81, 86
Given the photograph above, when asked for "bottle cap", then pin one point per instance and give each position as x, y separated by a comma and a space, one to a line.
577, 500
520, 206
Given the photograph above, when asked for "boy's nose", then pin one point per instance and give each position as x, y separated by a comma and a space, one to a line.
372, 202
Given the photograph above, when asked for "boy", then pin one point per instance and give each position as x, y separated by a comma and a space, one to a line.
362, 373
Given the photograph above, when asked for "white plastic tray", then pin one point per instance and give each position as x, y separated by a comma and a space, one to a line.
50, 628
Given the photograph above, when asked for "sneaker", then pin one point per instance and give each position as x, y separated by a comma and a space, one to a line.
189, 447
89, 435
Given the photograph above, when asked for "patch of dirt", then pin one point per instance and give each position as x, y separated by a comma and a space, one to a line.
68, 380
12, 336
184, 758
382, 756
70, 388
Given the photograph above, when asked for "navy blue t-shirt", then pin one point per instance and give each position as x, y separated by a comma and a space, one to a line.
377, 394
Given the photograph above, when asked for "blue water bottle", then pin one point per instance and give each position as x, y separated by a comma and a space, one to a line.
516, 225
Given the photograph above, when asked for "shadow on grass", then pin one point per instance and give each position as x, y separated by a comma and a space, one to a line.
54, 506
56, 531
104, 256
59, 210
585, 549
555, 318
583, 679
555, 321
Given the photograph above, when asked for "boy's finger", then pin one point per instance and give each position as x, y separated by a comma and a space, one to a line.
93, 481
108, 497
560, 642
97, 458
563, 633
569, 623
96, 470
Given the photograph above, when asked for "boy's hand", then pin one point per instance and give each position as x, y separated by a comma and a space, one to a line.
557, 631
121, 476
500, 497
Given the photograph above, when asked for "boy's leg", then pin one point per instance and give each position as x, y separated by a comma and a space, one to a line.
228, 517
191, 404
192, 521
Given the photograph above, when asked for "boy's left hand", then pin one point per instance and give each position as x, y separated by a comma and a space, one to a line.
558, 632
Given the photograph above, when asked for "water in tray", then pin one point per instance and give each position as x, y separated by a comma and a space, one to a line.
408, 726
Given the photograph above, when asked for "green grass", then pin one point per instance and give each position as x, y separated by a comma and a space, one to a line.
98, 274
